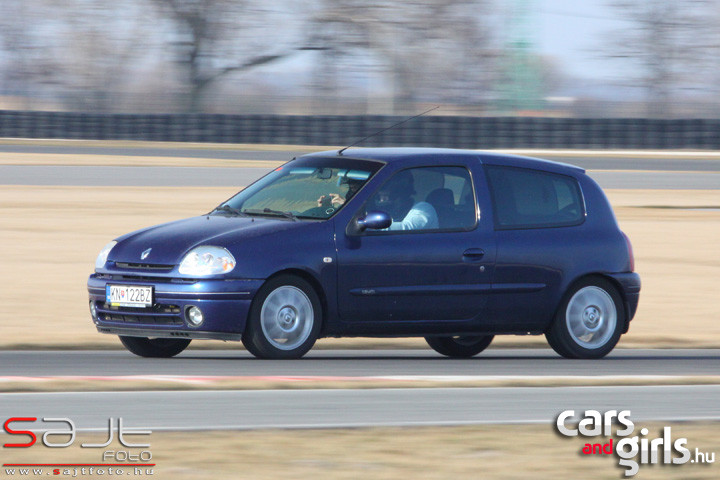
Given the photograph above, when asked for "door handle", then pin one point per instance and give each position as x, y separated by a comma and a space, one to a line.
474, 253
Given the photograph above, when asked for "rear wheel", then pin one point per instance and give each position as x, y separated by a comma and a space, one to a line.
589, 322
155, 347
465, 346
285, 319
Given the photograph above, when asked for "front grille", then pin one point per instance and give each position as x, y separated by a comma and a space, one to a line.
141, 319
157, 315
144, 266
157, 308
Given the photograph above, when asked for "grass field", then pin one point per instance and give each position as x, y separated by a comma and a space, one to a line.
51, 235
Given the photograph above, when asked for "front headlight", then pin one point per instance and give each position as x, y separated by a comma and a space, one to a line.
207, 260
103, 255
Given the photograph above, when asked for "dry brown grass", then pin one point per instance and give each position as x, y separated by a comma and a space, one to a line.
50, 236
37, 159
678, 256
179, 145
491, 451
132, 384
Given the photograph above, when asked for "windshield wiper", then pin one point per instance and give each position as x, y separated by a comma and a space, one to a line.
270, 211
229, 209
278, 212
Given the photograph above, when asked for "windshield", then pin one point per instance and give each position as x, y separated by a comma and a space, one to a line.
308, 188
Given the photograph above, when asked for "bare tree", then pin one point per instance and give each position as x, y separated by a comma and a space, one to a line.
429, 49
215, 38
347, 30
671, 41
88, 52
23, 49
80, 51
97, 48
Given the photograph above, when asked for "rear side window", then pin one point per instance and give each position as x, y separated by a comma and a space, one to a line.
525, 198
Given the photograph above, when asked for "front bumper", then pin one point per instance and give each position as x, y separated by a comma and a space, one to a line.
225, 305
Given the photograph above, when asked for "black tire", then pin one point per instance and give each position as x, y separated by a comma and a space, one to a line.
285, 319
155, 347
460, 346
589, 321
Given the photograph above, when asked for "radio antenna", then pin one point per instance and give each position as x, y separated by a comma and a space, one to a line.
340, 152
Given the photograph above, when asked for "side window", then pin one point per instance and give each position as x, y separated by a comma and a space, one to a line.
428, 198
525, 198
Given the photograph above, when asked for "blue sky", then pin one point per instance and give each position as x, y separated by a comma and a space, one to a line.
572, 32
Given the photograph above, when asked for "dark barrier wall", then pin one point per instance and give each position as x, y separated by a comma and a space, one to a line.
436, 131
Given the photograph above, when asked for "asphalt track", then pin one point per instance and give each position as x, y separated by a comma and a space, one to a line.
241, 176
219, 410
619, 161
357, 363
610, 172
339, 408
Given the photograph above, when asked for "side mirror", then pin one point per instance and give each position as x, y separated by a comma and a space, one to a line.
372, 220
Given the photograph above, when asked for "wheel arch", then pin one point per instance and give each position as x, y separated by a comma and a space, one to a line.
314, 283
604, 276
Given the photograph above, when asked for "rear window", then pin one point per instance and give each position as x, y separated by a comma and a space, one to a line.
525, 198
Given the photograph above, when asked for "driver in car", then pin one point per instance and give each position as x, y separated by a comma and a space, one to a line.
335, 199
395, 198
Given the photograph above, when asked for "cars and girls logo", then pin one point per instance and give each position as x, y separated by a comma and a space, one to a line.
131, 458
662, 449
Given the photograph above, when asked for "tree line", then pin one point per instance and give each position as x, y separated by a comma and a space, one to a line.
90, 54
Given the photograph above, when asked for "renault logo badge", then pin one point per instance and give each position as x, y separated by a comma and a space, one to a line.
145, 254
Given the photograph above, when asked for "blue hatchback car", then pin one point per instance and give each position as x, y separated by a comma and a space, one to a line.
451, 245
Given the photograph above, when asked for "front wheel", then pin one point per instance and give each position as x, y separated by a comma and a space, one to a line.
154, 347
589, 322
285, 319
461, 346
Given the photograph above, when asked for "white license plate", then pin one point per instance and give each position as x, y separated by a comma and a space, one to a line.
129, 296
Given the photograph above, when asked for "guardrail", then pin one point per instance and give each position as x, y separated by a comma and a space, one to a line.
438, 131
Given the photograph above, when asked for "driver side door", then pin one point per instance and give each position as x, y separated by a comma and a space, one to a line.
440, 273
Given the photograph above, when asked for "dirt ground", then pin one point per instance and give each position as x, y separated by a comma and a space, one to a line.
134, 383
50, 236
470, 452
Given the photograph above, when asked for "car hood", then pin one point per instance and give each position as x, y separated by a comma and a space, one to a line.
170, 242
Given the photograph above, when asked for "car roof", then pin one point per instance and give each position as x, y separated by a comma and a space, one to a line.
414, 155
